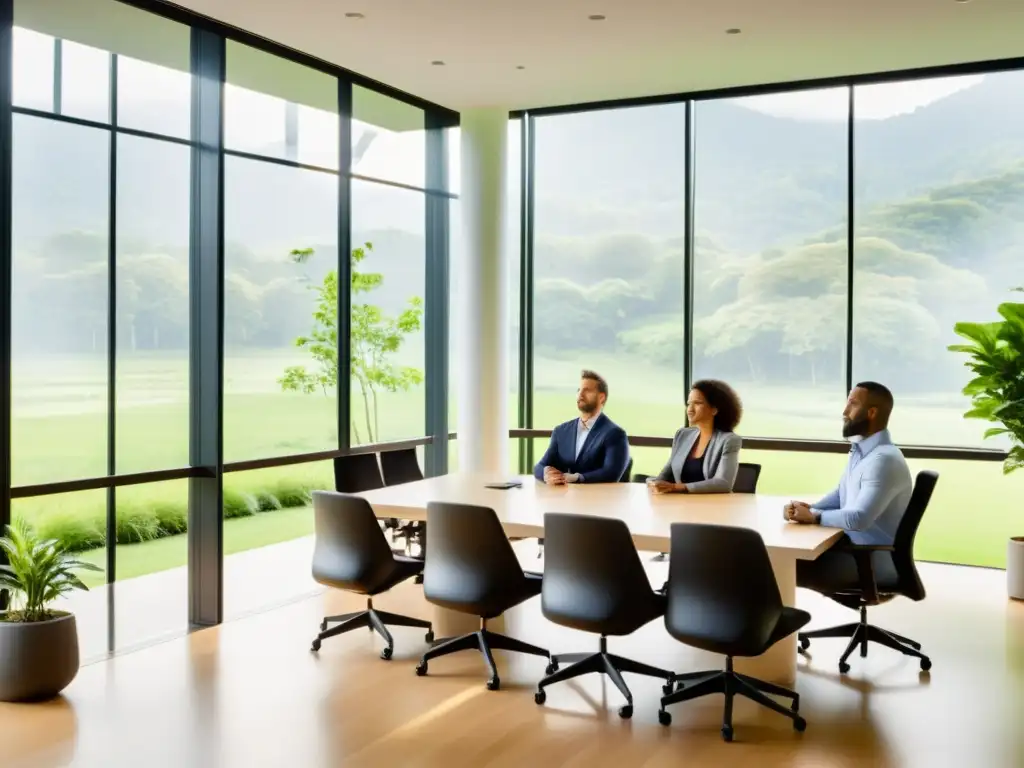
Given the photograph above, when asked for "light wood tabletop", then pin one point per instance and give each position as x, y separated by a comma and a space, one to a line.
649, 516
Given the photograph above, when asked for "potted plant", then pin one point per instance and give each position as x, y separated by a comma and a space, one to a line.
38, 645
996, 356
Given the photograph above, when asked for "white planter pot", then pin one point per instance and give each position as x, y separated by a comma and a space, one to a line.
1015, 568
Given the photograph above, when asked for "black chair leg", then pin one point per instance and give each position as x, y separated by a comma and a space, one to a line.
456, 644
637, 668
775, 690
905, 640
753, 694
397, 620
355, 622
592, 662
616, 677
332, 619
854, 643
381, 630
568, 658
875, 635
493, 682
506, 643
843, 630
712, 682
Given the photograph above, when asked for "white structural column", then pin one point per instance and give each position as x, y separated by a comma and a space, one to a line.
481, 304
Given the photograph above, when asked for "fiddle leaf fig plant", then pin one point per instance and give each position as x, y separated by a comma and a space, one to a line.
38, 571
996, 356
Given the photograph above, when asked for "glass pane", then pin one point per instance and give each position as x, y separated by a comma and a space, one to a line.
281, 251
153, 201
152, 557
280, 109
85, 90
153, 63
388, 138
608, 284
78, 522
388, 283
59, 313
939, 235
154, 98
33, 61
268, 523
770, 257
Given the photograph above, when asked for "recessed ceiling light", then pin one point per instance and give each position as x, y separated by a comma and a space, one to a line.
963, 1
520, 66
733, 31
437, 63
354, 15
596, 17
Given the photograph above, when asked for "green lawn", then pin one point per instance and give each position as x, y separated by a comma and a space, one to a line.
59, 434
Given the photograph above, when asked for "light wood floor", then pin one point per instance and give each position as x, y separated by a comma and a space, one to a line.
250, 693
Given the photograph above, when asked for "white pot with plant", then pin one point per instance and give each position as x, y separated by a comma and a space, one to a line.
38, 645
997, 393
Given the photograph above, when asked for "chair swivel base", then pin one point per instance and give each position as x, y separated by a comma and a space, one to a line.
484, 641
601, 662
375, 620
697, 684
861, 633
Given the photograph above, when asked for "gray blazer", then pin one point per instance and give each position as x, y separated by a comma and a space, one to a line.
721, 460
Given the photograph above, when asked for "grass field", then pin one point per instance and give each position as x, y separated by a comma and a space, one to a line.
60, 420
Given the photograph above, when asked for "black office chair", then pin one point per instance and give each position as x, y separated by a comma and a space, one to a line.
884, 572
399, 467
471, 568
351, 553
723, 598
356, 473
594, 581
623, 479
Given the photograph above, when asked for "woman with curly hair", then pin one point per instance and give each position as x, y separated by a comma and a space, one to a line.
705, 455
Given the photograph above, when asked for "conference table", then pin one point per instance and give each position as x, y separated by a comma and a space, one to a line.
649, 517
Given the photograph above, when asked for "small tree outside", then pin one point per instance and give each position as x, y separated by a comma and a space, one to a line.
375, 336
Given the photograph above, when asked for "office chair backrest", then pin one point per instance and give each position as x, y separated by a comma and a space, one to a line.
592, 571
469, 559
350, 547
903, 546
746, 478
625, 474
400, 466
721, 588
358, 472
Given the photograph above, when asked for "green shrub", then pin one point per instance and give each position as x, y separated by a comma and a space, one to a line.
82, 526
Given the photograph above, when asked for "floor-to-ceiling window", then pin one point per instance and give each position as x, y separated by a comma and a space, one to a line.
837, 235
121, 237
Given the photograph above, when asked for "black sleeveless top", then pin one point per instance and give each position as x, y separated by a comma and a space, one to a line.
693, 470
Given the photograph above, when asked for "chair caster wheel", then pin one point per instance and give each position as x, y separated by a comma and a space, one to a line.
626, 712
494, 683
421, 669
843, 667
727, 733
799, 724
386, 653
316, 645
665, 718
540, 697
323, 625
418, 579
429, 637
551, 668
926, 664
805, 643
668, 687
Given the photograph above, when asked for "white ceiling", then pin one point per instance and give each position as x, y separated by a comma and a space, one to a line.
643, 47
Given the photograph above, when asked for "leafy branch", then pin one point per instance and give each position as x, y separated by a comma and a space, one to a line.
374, 337
996, 356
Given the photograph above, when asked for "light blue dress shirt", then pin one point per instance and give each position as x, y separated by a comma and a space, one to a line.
873, 493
